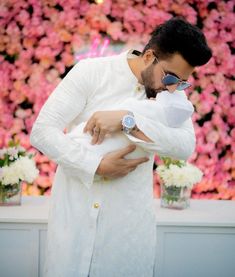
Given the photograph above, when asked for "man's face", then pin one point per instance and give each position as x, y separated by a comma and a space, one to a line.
153, 73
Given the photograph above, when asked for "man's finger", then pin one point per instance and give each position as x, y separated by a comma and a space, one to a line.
89, 126
101, 136
95, 136
135, 162
124, 151
132, 168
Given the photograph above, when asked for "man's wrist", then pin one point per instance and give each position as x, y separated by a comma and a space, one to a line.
122, 114
128, 122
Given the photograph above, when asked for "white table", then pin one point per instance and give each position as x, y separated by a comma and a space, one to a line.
196, 242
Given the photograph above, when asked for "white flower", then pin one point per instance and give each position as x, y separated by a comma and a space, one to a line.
23, 169
10, 175
185, 176
27, 167
20, 148
12, 151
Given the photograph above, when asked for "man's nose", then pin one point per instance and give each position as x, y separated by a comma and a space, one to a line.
172, 88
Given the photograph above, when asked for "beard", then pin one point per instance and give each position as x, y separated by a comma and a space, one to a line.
147, 78
151, 93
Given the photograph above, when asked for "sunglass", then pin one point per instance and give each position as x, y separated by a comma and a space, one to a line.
170, 79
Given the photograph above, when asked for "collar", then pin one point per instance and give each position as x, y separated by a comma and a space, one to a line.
129, 54
132, 53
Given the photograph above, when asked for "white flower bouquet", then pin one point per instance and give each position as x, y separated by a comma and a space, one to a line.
16, 165
178, 178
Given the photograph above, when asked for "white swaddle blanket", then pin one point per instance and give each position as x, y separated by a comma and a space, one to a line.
171, 109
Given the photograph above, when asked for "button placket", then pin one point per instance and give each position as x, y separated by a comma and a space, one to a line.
94, 212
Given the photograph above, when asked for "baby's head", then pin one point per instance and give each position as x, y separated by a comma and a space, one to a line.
176, 106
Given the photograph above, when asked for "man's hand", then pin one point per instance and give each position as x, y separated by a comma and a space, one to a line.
114, 164
104, 122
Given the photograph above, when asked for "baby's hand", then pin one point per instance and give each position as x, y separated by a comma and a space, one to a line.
151, 98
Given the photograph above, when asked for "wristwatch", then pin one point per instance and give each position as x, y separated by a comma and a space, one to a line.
128, 122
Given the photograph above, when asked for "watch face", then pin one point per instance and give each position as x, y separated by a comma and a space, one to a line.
129, 122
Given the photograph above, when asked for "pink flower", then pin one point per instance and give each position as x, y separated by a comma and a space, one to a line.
115, 30
37, 48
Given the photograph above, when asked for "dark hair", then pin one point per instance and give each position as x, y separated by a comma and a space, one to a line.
179, 36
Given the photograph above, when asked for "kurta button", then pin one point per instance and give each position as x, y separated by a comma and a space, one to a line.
138, 87
96, 205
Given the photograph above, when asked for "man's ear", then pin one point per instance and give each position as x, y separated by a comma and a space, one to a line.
148, 57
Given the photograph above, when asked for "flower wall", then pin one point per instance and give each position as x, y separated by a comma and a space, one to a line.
39, 41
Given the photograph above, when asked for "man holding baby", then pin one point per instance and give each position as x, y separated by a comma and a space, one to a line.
106, 226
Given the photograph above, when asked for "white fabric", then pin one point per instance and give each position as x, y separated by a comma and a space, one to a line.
118, 237
176, 106
169, 109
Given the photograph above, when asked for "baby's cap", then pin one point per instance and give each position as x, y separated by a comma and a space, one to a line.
176, 105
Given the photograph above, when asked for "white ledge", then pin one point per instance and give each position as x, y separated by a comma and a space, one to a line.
214, 213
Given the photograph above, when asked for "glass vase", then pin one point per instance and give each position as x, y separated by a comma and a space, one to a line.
11, 195
174, 197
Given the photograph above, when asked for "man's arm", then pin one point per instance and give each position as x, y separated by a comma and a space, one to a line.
178, 143
65, 103
140, 135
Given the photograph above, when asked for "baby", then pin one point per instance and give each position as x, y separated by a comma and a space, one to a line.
170, 109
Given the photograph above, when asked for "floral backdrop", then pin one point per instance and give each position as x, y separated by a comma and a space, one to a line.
41, 40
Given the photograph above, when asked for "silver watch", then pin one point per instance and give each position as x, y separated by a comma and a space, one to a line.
128, 122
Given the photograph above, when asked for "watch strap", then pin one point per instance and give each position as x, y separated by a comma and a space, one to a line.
126, 129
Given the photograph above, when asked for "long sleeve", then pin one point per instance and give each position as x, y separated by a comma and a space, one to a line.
65, 103
178, 143
153, 120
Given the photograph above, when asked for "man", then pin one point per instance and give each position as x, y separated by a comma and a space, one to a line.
107, 228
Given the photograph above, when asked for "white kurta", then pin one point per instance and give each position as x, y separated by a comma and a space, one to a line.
99, 228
